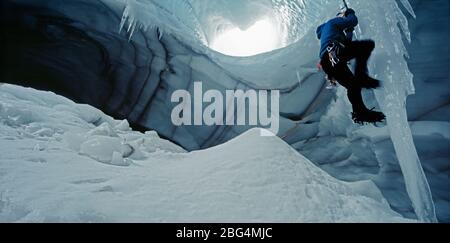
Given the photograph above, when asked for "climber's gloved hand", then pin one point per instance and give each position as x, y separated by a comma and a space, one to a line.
349, 11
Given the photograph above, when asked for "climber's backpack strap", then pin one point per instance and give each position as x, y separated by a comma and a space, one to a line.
334, 50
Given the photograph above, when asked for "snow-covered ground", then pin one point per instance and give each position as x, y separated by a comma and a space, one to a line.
162, 47
64, 162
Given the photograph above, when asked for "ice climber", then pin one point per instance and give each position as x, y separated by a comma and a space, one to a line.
337, 49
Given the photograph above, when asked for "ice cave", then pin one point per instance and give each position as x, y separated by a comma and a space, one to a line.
85, 113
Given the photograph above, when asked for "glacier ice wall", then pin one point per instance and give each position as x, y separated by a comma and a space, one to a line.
75, 49
389, 64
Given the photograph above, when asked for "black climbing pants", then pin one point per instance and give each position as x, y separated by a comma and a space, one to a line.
360, 51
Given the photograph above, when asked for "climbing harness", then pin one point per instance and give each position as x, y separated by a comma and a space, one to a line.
334, 50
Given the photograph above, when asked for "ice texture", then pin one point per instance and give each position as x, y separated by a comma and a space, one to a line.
249, 179
163, 46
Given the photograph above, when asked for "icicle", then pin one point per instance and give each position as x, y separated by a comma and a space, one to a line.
299, 78
133, 28
408, 7
160, 34
403, 22
124, 18
128, 18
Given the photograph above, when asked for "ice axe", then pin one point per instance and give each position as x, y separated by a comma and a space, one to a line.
345, 4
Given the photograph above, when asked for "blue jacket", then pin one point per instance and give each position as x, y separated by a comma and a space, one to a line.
337, 29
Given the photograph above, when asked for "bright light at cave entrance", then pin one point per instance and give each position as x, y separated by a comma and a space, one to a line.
259, 38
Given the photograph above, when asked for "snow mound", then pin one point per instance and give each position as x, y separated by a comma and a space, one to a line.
58, 164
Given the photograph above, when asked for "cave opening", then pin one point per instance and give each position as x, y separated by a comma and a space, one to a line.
263, 36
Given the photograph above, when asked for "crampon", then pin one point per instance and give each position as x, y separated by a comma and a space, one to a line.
368, 117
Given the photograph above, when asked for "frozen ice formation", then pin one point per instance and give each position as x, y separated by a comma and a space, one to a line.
127, 57
249, 179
